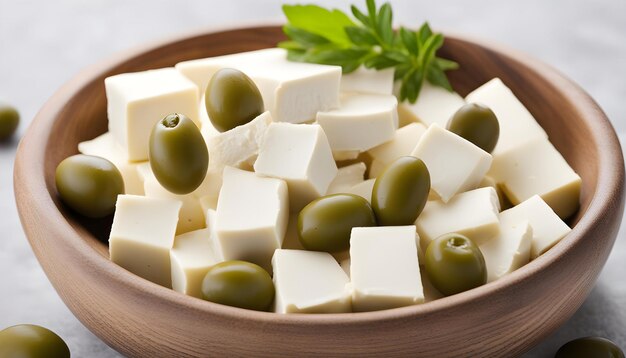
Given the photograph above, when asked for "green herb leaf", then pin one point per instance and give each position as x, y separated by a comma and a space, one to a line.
361, 36
317, 20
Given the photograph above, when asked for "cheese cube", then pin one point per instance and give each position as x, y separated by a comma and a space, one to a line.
206, 126
537, 168
402, 144
509, 251
368, 80
517, 124
252, 216
345, 265
137, 101
105, 147
192, 256
309, 282
364, 189
362, 122
473, 214
455, 164
142, 235
292, 91
548, 228
299, 154
292, 241
384, 268
239, 146
347, 177
434, 105
341, 155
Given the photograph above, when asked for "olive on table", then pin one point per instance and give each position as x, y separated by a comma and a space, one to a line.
401, 191
239, 284
9, 120
454, 264
478, 124
178, 154
325, 224
232, 99
596, 347
89, 185
31, 341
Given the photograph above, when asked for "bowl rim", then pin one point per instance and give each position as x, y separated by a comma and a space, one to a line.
31, 154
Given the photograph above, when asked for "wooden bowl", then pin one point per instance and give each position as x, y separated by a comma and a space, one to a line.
503, 318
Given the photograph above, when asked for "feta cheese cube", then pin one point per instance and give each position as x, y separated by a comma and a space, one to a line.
402, 144
362, 122
309, 282
548, 228
239, 146
366, 80
537, 168
473, 214
192, 256
434, 105
455, 164
341, 155
517, 124
509, 251
292, 91
363, 189
105, 147
142, 235
299, 154
347, 177
384, 268
252, 216
292, 241
137, 101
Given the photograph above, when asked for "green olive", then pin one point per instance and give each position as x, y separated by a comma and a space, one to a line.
89, 185
9, 120
239, 284
454, 264
401, 191
178, 154
30, 341
232, 99
478, 124
596, 347
325, 224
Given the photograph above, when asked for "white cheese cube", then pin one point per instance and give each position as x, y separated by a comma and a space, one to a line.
292, 241
367, 80
206, 126
347, 177
384, 268
548, 228
239, 146
473, 214
362, 122
105, 147
292, 91
309, 282
434, 105
192, 256
142, 235
517, 124
455, 164
402, 144
252, 216
509, 251
345, 265
299, 154
340, 155
364, 189
537, 168
137, 101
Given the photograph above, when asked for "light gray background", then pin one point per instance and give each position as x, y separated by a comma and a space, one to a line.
44, 43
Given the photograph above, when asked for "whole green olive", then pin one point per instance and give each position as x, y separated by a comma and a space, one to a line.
239, 284
89, 185
401, 191
9, 120
478, 124
454, 264
178, 154
31, 341
232, 99
596, 347
325, 224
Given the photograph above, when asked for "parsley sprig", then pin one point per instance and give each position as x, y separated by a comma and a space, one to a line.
331, 37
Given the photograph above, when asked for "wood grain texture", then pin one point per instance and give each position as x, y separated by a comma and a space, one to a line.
503, 318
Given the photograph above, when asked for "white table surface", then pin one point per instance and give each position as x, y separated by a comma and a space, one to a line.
44, 43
